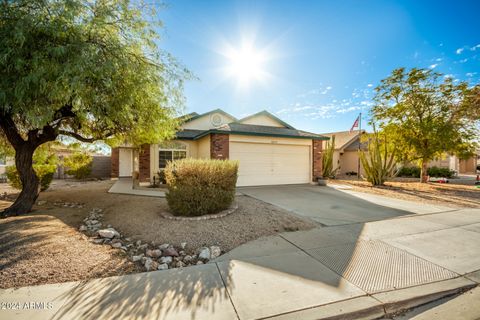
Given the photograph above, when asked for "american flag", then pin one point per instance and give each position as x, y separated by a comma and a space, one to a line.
355, 124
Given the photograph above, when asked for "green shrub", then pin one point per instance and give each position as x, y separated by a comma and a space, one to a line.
440, 172
161, 177
13, 177
409, 172
414, 172
79, 165
44, 173
197, 187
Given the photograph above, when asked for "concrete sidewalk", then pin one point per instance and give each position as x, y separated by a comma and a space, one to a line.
364, 269
125, 186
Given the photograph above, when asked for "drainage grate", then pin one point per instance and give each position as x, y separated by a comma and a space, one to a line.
376, 266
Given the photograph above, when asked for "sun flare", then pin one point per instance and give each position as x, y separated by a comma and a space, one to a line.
246, 64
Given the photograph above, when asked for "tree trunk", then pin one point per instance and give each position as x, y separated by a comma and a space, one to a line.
30, 182
424, 172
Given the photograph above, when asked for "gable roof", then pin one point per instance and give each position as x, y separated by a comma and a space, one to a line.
187, 116
268, 114
196, 116
251, 130
343, 138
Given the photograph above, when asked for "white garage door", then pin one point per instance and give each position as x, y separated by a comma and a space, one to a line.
269, 164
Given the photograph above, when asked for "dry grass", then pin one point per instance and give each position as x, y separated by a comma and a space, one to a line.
454, 195
45, 246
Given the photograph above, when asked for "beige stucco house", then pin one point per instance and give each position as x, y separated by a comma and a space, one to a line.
461, 166
345, 157
269, 150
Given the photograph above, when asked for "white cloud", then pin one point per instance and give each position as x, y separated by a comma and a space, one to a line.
433, 66
463, 60
459, 50
470, 74
439, 59
369, 85
350, 109
475, 47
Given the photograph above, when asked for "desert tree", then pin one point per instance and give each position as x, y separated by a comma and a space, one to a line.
90, 70
427, 114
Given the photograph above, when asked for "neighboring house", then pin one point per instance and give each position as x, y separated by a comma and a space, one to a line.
269, 150
345, 156
461, 166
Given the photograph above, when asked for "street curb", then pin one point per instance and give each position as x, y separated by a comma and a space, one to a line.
381, 304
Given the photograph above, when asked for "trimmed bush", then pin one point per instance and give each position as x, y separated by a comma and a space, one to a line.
197, 187
440, 172
409, 172
414, 172
79, 165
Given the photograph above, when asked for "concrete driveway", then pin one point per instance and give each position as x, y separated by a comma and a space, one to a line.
333, 206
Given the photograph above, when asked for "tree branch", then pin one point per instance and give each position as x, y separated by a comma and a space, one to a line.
76, 136
82, 138
10, 129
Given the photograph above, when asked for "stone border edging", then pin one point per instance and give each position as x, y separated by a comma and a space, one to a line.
221, 214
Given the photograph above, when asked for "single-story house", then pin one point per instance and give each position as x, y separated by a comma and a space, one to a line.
461, 166
269, 150
345, 156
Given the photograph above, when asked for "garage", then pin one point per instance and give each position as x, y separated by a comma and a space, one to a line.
271, 163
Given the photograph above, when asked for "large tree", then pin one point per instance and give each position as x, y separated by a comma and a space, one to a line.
89, 70
427, 114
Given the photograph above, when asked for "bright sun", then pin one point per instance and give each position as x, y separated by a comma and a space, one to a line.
246, 64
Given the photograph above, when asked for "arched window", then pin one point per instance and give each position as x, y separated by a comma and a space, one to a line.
170, 151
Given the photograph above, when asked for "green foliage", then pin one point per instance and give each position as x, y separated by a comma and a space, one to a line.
409, 172
414, 172
426, 114
198, 187
13, 177
89, 69
79, 164
44, 163
327, 160
378, 160
440, 172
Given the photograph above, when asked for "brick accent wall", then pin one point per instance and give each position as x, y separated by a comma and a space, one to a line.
316, 159
114, 172
219, 146
144, 163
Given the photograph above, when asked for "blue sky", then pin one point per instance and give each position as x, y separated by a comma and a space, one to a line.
316, 62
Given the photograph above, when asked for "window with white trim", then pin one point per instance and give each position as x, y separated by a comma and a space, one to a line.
170, 151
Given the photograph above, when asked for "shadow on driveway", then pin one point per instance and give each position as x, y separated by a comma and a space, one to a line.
325, 205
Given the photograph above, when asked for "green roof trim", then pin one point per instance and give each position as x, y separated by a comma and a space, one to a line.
268, 114
258, 134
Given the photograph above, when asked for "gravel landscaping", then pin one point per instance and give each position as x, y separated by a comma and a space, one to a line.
61, 240
446, 194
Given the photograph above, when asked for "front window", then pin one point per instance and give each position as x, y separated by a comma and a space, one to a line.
171, 152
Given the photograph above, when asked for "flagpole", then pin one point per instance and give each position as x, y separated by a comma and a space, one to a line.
359, 141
